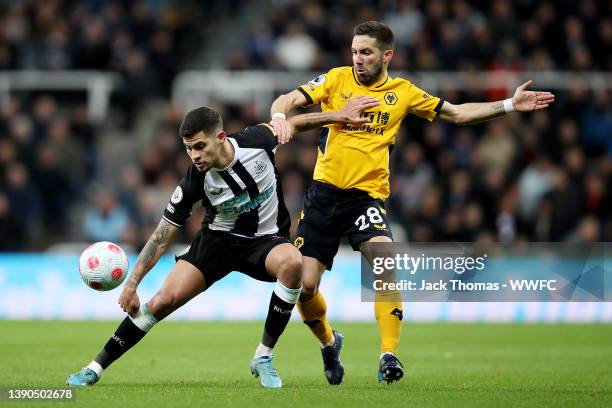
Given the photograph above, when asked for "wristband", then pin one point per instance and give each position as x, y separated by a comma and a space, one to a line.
279, 115
508, 107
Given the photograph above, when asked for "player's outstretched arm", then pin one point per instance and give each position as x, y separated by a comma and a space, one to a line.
155, 247
350, 114
523, 100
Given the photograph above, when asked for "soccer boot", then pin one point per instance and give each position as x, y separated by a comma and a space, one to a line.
390, 368
83, 378
332, 366
262, 367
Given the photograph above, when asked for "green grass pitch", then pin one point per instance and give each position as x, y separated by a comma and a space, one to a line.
206, 364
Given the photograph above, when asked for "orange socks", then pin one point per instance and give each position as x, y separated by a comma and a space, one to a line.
388, 310
389, 314
313, 313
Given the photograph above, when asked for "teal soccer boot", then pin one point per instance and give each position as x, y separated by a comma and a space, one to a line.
262, 367
83, 378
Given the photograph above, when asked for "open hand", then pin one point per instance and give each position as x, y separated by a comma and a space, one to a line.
351, 112
527, 101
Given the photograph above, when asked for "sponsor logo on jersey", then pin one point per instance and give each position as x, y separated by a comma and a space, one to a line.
346, 96
170, 208
177, 196
216, 191
243, 202
363, 128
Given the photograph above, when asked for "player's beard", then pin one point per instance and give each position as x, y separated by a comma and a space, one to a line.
371, 75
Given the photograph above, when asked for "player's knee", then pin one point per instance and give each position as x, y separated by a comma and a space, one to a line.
289, 269
309, 289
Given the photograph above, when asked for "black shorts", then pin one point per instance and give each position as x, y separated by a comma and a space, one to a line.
217, 253
330, 213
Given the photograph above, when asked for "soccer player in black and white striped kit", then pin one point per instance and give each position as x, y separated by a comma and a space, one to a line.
245, 229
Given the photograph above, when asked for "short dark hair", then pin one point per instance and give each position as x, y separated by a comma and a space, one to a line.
202, 119
377, 30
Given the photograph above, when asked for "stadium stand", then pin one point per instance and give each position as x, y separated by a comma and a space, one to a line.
540, 177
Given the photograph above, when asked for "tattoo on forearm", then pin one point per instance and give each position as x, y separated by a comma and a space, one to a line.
481, 112
310, 120
316, 118
148, 254
498, 107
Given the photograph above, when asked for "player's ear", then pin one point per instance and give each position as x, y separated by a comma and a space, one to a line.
221, 136
387, 55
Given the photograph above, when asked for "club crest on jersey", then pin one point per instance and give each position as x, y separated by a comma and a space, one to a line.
260, 167
299, 241
177, 196
390, 98
216, 191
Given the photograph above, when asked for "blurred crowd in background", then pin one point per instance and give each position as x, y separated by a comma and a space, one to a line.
545, 176
437, 34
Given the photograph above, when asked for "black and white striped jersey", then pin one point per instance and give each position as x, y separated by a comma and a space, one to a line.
245, 198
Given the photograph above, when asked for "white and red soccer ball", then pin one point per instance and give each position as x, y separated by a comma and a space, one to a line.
103, 266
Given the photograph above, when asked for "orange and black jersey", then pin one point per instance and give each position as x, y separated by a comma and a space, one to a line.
358, 156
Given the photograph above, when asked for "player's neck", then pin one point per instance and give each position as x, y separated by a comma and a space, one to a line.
381, 77
226, 155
